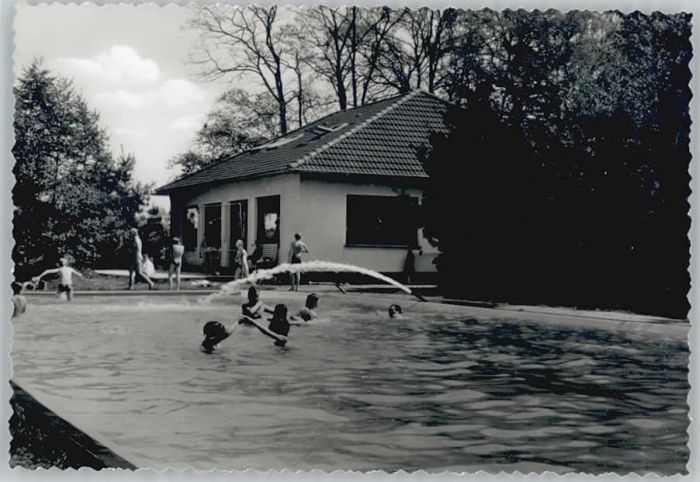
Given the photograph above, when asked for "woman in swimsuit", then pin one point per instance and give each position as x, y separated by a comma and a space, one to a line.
241, 261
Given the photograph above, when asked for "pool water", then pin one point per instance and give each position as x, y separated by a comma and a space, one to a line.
441, 390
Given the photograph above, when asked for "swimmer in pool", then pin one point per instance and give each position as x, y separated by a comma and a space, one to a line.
19, 302
308, 312
278, 329
254, 308
214, 333
395, 312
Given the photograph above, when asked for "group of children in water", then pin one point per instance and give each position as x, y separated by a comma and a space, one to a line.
253, 311
280, 323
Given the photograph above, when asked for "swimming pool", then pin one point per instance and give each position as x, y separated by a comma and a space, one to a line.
448, 388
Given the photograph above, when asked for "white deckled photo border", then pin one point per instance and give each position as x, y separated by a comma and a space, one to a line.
8, 73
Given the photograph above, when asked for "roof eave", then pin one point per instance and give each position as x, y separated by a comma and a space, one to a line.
171, 187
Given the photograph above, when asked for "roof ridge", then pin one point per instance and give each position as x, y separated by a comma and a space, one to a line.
345, 135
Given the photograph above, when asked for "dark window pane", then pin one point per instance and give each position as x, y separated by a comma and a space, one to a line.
212, 225
189, 229
382, 220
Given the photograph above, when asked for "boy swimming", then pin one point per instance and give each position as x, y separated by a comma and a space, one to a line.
254, 308
278, 329
19, 302
308, 312
214, 333
395, 312
65, 273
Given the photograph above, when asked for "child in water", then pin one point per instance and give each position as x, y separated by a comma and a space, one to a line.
308, 312
19, 302
254, 308
278, 329
279, 325
395, 312
214, 333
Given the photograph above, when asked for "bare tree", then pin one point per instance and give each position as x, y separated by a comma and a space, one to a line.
243, 41
416, 54
377, 25
329, 34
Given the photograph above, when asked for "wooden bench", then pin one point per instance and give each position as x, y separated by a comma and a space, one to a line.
268, 256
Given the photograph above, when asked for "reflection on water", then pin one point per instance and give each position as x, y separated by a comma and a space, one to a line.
358, 391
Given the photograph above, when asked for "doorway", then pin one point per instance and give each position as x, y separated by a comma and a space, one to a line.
239, 223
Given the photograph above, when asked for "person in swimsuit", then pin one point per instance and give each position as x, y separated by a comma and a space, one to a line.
136, 266
214, 333
278, 329
65, 273
241, 261
395, 312
177, 250
19, 302
295, 250
308, 312
254, 308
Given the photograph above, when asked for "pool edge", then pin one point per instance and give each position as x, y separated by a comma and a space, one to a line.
86, 450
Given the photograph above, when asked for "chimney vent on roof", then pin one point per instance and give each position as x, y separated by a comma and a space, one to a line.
322, 130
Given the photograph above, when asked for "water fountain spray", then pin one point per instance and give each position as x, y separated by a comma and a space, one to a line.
307, 266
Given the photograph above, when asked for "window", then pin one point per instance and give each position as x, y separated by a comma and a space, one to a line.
189, 230
382, 221
268, 220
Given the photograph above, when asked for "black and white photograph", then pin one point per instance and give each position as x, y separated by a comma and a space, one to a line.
447, 239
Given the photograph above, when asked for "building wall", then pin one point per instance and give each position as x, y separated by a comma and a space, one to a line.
324, 224
286, 186
315, 208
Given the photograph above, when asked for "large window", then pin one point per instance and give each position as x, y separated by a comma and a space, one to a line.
189, 229
268, 220
382, 221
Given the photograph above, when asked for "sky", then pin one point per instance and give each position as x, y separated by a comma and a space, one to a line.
130, 65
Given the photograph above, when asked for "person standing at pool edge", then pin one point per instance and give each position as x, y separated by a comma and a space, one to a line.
65, 272
136, 266
295, 249
241, 261
177, 250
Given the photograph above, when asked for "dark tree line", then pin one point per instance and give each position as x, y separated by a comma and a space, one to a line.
72, 197
573, 157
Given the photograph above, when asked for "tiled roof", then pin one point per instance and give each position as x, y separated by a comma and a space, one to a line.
378, 139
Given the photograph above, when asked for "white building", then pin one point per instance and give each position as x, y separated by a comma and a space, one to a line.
351, 183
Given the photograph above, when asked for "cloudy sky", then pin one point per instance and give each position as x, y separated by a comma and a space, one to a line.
130, 64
